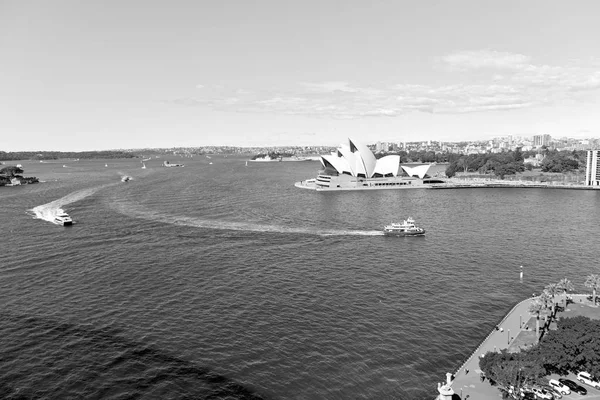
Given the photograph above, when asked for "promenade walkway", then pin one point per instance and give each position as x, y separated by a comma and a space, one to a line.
468, 385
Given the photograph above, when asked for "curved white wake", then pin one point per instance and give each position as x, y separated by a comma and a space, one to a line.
234, 226
49, 211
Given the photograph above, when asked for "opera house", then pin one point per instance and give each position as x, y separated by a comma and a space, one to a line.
354, 167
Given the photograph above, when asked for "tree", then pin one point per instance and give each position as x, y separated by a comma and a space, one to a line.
451, 170
511, 371
11, 170
559, 161
593, 282
534, 308
574, 346
505, 169
518, 155
552, 290
565, 285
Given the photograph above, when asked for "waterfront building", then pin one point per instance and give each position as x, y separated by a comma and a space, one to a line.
354, 167
592, 168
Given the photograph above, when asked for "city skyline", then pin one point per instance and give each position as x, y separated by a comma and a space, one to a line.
133, 74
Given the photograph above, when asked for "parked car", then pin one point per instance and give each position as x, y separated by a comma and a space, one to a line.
555, 393
524, 393
541, 393
559, 387
573, 386
528, 396
588, 379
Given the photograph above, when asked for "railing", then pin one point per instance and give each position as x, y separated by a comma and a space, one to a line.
490, 334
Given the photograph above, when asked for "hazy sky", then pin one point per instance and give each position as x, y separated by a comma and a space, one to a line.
86, 75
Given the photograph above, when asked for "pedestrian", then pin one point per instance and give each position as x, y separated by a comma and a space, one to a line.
466, 371
482, 377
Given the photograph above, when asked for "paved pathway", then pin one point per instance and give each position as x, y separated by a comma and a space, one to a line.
468, 384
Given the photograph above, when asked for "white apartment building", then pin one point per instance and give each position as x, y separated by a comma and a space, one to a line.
592, 169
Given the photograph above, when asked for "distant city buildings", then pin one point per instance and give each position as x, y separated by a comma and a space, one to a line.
538, 143
541, 140
592, 169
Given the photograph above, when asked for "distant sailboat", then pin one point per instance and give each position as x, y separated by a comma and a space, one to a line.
246, 163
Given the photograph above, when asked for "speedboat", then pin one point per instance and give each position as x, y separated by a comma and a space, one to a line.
63, 219
404, 228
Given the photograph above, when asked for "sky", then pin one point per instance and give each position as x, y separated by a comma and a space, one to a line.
84, 75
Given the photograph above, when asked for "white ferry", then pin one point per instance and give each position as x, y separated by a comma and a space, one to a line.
171, 165
404, 228
63, 219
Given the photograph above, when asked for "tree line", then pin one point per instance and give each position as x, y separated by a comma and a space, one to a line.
55, 155
512, 162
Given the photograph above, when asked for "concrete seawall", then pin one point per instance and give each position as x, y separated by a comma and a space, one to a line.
467, 377
460, 184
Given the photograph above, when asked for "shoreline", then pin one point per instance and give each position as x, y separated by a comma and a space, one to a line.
468, 184
467, 377
457, 184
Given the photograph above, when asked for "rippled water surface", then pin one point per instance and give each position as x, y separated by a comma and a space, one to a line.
226, 281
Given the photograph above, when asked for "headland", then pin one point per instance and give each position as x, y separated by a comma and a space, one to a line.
12, 176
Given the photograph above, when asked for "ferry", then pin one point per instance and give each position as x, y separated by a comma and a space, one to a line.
63, 219
404, 228
171, 165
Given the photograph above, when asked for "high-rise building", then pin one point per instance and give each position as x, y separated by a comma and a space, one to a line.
541, 140
592, 168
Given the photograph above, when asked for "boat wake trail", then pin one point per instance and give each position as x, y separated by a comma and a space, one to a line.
234, 226
49, 211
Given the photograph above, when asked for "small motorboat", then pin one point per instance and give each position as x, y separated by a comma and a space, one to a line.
63, 219
404, 228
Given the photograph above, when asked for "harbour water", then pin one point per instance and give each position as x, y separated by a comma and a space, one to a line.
225, 281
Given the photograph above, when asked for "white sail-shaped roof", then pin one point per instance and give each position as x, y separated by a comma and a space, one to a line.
357, 160
339, 163
387, 165
418, 171
367, 158
345, 152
